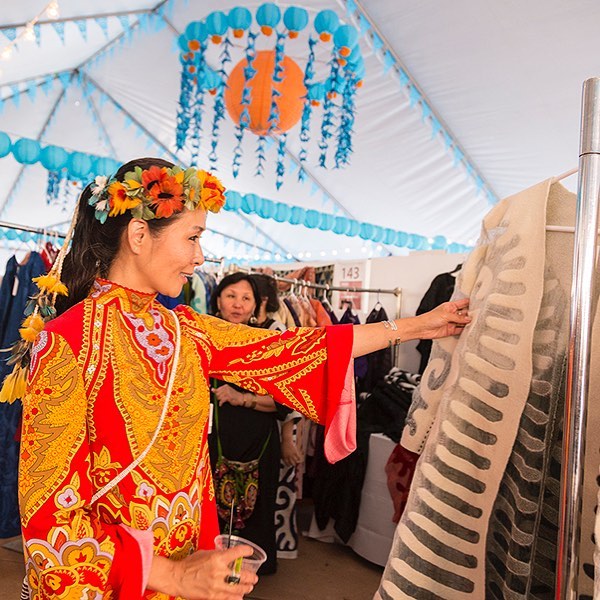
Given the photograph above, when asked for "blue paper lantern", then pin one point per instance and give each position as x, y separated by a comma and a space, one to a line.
389, 235
26, 151
366, 231
268, 16
377, 233
233, 201
210, 80
401, 239
327, 222
5, 144
344, 39
54, 158
439, 242
297, 215
282, 212
316, 93
217, 25
249, 202
295, 19
353, 228
311, 219
79, 165
266, 208
239, 20
341, 226
326, 24
105, 166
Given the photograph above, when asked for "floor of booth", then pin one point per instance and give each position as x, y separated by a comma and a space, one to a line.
324, 571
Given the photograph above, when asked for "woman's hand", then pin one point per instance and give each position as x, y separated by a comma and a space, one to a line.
290, 454
449, 318
226, 393
202, 575
446, 319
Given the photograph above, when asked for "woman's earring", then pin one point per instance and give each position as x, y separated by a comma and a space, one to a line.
253, 320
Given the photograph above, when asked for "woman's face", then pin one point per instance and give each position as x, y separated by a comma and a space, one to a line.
236, 303
168, 258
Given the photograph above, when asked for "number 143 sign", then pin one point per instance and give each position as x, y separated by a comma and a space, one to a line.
350, 275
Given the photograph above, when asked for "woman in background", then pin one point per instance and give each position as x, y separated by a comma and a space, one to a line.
292, 456
246, 427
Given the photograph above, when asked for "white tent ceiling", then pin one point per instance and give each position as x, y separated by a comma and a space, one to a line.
503, 77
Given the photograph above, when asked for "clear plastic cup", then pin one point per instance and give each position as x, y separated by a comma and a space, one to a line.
248, 563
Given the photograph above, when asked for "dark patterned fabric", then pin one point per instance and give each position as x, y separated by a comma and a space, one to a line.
11, 317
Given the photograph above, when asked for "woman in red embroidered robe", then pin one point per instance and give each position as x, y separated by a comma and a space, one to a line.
96, 391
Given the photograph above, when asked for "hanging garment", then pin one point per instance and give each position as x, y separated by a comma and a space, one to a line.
15, 291
481, 517
360, 363
440, 290
199, 303
292, 311
283, 315
379, 363
322, 316
94, 397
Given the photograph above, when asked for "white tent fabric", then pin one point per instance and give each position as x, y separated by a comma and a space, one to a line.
503, 77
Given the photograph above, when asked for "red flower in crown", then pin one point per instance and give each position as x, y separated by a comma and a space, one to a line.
165, 190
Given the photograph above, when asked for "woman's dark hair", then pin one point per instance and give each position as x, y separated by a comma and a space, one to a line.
267, 288
95, 245
232, 280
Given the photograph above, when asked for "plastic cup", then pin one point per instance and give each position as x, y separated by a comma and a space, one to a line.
247, 563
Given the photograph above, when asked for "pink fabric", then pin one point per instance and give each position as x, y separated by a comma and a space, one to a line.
145, 540
341, 434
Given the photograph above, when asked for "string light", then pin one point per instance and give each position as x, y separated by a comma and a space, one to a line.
28, 32
52, 10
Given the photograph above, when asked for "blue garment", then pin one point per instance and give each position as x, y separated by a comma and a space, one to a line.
11, 317
169, 302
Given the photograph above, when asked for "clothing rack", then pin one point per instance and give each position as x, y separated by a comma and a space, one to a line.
58, 234
46, 232
331, 288
580, 338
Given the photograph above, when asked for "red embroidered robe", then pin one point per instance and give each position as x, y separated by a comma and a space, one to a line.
96, 391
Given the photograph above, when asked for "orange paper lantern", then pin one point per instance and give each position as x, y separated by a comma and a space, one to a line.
290, 103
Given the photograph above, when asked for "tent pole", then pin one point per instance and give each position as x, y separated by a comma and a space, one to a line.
582, 304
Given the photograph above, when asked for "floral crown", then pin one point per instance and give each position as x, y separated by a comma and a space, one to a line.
156, 193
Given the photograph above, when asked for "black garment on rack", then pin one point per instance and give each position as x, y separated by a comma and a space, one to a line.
360, 363
440, 290
337, 488
17, 279
378, 363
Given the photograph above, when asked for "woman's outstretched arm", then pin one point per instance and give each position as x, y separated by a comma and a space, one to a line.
448, 318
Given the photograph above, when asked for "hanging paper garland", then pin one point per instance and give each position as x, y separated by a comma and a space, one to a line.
85, 167
268, 92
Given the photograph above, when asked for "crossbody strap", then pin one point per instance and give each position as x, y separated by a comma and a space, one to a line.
101, 492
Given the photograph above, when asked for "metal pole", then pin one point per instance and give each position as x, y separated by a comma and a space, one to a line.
584, 266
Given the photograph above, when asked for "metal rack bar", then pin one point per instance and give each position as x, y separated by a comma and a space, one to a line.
58, 234
320, 286
580, 337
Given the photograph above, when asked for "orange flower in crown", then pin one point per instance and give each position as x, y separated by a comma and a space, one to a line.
157, 193
212, 191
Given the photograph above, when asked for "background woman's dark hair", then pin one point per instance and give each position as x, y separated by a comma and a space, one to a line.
267, 288
95, 245
231, 280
